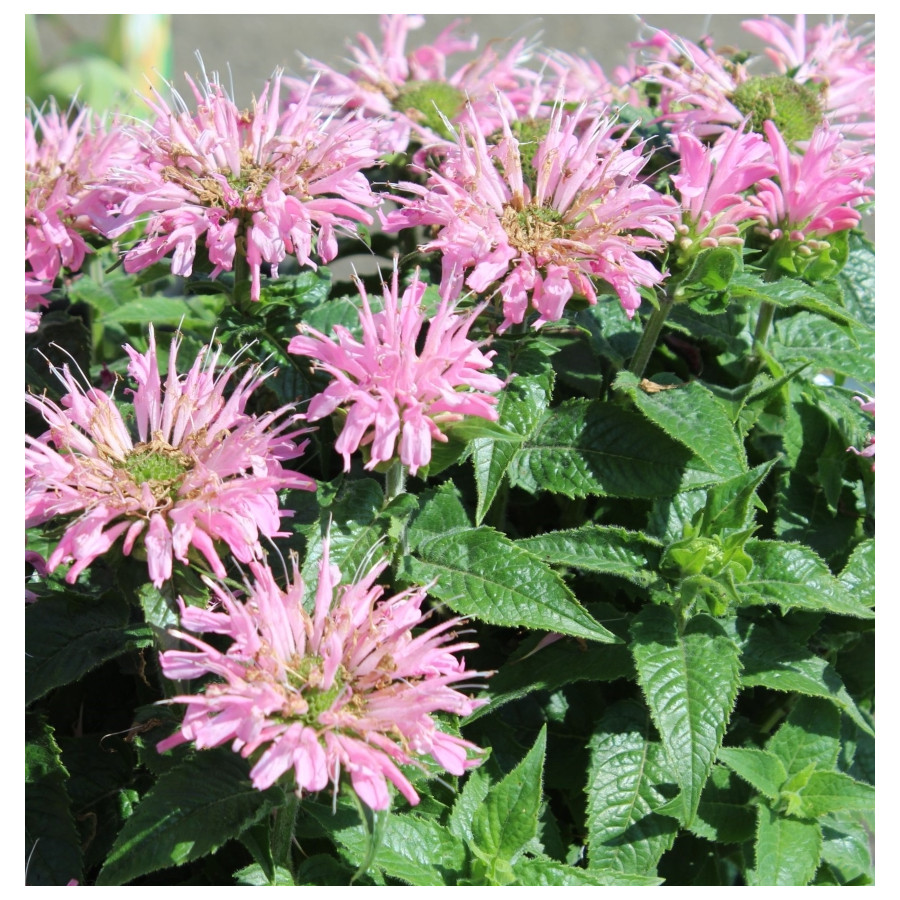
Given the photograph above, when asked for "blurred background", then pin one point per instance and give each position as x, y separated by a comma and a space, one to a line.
108, 55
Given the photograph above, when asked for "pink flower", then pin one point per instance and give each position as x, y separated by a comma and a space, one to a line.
824, 73
539, 239
402, 86
815, 189
394, 391
347, 686
829, 57
201, 471
869, 450
711, 181
258, 183
66, 194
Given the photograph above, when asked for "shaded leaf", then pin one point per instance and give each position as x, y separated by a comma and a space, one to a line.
588, 447
52, 845
191, 811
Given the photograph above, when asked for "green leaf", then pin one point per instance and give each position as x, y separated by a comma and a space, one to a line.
440, 512
587, 447
857, 278
809, 737
691, 415
794, 577
520, 406
624, 833
808, 337
482, 573
544, 872
787, 850
827, 792
725, 814
52, 845
359, 525
191, 811
762, 769
413, 849
847, 844
598, 548
690, 679
729, 504
255, 876
508, 819
470, 798
158, 310
772, 659
563, 662
790, 292
67, 636
858, 577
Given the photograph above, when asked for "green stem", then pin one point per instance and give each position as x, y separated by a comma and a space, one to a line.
242, 280
282, 833
394, 480
650, 336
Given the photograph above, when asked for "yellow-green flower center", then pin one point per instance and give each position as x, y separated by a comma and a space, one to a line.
418, 99
152, 465
305, 678
795, 109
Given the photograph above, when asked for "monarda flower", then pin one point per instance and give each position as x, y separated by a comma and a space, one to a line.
346, 687
539, 239
66, 194
706, 93
711, 182
201, 470
816, 190
256, 185
841, 66
411, 375
411, 89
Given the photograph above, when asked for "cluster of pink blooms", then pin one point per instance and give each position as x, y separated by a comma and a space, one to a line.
347, 687
531, 192
394, 389
202, 470
67, 194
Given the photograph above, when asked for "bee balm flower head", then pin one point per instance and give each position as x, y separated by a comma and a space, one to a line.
347, 687
391, 389
199, 473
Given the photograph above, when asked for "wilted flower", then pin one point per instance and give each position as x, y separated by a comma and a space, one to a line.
201, 470
66, 194
346, 687
542, 238
251, 183
869, 449
410, 375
